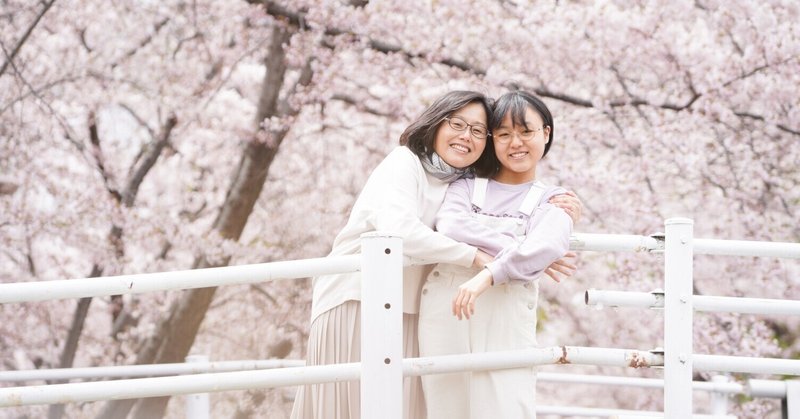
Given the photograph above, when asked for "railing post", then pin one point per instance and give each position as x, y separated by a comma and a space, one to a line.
791, 404
678, 314
381, 326
719, 400
197, 405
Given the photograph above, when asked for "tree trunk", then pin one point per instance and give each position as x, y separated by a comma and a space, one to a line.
127, 198
56, 411
175, 334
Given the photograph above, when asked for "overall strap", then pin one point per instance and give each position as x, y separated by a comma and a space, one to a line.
532, 198
479, 191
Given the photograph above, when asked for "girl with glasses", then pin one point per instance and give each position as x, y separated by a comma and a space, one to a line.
504, 212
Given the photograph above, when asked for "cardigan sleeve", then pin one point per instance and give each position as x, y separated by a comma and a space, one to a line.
455, 220
546, 241
391, 199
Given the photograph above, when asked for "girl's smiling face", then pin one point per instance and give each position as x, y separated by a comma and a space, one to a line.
520, 147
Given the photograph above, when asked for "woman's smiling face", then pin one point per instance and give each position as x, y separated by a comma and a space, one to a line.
461, 148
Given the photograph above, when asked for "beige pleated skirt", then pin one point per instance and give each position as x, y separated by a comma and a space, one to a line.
334, 338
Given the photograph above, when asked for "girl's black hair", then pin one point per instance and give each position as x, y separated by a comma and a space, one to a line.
421, 134
516, 103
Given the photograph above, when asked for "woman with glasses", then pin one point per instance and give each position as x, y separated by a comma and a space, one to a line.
504, 212
402, 195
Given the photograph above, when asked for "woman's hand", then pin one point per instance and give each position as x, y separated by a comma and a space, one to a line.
562, 268
570, 203
468, 292
481, 259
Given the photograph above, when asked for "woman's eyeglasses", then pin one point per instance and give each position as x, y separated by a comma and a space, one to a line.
478, 131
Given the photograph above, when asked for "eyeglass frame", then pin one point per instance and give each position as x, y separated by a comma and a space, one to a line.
522, 138
468, 126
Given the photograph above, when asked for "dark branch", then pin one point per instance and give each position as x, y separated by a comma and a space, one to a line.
297, 19
142, 123
36, 92
359, 105
149, 38
150, 158
97, 153
761, 118
10, 57
8, 185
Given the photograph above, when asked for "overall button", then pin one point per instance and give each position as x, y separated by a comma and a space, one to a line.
424, 291
531, 306
435, 273
528, 285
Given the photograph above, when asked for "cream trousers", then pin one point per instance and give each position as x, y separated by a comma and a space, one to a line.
504, 319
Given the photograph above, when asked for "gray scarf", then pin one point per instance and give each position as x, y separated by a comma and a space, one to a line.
439, 169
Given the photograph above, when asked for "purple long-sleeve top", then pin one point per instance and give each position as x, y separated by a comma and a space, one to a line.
547, 229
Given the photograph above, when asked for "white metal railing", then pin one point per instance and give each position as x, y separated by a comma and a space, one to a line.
381, 368
655, 300
19, 292
280, 377
197, 405
138, 371
679, 304
751, 387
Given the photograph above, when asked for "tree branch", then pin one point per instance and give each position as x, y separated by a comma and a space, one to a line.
297, 19
8, 185
97, 152
10, 57
150, 158
149, 38
761, 118
359, 105
36, 92
139, 119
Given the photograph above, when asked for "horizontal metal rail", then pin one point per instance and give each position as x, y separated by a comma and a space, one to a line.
242, 380
655, 300
607, 298
577, 355
263, 272
746, 248
655, 243
613, 413
195, 278
151, 370
614, 243
754, 388
745, 364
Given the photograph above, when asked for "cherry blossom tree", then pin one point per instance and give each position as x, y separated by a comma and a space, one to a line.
175, 135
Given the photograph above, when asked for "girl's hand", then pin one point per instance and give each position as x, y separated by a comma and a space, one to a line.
562, 268
570, 203
468, 292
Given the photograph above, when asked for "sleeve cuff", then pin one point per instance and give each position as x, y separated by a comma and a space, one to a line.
469, 256
499, 275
